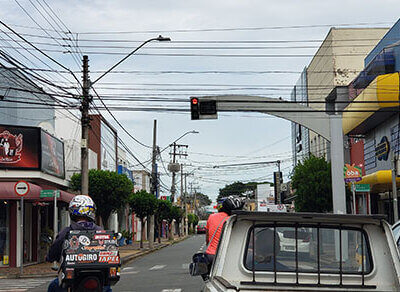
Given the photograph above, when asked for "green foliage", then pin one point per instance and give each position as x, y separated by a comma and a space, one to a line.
175, 213
127, 234
143, 204
163, 210
109, 190
238, 188
192, 219
204, 200
312, 183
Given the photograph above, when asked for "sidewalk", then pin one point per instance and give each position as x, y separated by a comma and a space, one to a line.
127, 253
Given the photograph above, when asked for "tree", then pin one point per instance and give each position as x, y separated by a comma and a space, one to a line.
174, 214
312, 184
144, 205
109, 190
162, 212
193, 220
204, 200
237, 189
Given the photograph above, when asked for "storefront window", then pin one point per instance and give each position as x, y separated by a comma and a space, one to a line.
4, 234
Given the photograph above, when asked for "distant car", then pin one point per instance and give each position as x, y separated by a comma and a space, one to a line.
201, 227
288, 241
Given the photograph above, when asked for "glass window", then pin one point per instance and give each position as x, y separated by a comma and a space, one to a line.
4, 234
307, 249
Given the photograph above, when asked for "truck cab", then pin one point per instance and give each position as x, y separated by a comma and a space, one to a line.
263, 251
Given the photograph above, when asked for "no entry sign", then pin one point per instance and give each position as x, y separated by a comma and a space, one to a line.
21, 188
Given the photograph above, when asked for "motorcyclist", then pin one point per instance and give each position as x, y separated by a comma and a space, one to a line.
82, 213
216, 221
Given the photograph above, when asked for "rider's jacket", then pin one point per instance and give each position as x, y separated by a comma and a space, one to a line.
56, 248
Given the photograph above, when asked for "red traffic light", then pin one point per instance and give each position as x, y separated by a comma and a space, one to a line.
195, 101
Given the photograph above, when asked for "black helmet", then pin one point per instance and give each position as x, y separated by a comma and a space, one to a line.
232, 203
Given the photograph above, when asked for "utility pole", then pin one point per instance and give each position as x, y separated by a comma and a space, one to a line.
183, 200
394, 189
85, 122
153, 182
174, 153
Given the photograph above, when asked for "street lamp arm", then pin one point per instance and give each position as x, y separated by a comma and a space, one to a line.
189, 132
159, 38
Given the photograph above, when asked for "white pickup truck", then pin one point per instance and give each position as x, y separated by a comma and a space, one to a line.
305, 252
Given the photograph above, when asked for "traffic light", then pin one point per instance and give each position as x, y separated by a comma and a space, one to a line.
195, 108
202, 109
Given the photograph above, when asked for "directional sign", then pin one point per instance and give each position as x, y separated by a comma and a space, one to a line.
49, 193
21, 188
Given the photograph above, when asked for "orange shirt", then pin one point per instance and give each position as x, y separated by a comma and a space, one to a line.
213, 222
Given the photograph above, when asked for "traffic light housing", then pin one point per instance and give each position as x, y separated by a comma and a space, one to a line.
204, 108
195, 108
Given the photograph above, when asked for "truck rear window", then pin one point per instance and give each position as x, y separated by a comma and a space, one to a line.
314, 249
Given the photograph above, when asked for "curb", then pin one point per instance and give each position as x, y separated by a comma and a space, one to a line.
124, 260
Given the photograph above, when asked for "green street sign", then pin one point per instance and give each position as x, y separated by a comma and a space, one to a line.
362, 188
49, 193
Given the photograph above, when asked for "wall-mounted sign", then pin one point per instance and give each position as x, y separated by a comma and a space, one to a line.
382, 149
52, 155
19, 147
352, 173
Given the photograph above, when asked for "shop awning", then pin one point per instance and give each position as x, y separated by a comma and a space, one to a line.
7, 193
375, 104
379, 181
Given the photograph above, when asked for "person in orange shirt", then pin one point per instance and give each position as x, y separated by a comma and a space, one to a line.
215, 223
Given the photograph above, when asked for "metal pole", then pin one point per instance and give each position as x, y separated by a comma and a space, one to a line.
153, 182
353, 186
394, 190
21, 268
85, 122
55, 222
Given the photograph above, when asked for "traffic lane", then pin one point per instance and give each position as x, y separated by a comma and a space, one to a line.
164, 270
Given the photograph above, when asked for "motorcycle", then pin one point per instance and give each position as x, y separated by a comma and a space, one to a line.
90, 261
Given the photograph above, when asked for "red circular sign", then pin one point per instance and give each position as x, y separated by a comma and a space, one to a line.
21, 188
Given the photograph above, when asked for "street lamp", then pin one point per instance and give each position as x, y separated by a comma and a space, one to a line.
85, 121
159, 39
189, 132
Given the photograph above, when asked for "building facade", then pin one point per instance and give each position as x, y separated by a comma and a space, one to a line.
375, 128
337, 62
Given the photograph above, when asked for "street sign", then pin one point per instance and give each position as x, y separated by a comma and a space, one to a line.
363, 188
352, 173
21, 188
49, 193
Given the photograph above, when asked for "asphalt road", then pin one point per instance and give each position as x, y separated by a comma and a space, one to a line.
165, 270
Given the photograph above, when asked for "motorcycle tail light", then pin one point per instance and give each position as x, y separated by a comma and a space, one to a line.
113, 272
69, 274
91, 284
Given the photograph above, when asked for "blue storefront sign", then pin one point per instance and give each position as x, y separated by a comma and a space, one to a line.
126, 171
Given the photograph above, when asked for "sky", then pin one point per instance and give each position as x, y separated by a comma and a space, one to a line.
218, 47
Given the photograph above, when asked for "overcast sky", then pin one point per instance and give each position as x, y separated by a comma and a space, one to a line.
192, 65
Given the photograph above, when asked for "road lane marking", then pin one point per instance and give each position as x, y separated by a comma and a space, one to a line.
157, 267
129, 273
185, 266
127, 268
171, 290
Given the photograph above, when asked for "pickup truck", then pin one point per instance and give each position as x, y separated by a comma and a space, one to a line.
260, 251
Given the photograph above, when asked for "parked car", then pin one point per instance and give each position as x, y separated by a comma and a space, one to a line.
201, 226
396, 233
346, 253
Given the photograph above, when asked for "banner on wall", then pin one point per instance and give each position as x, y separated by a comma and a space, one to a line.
52, 155
19, 147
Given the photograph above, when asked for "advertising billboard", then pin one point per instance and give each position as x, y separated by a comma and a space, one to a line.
19, 147
52, 155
